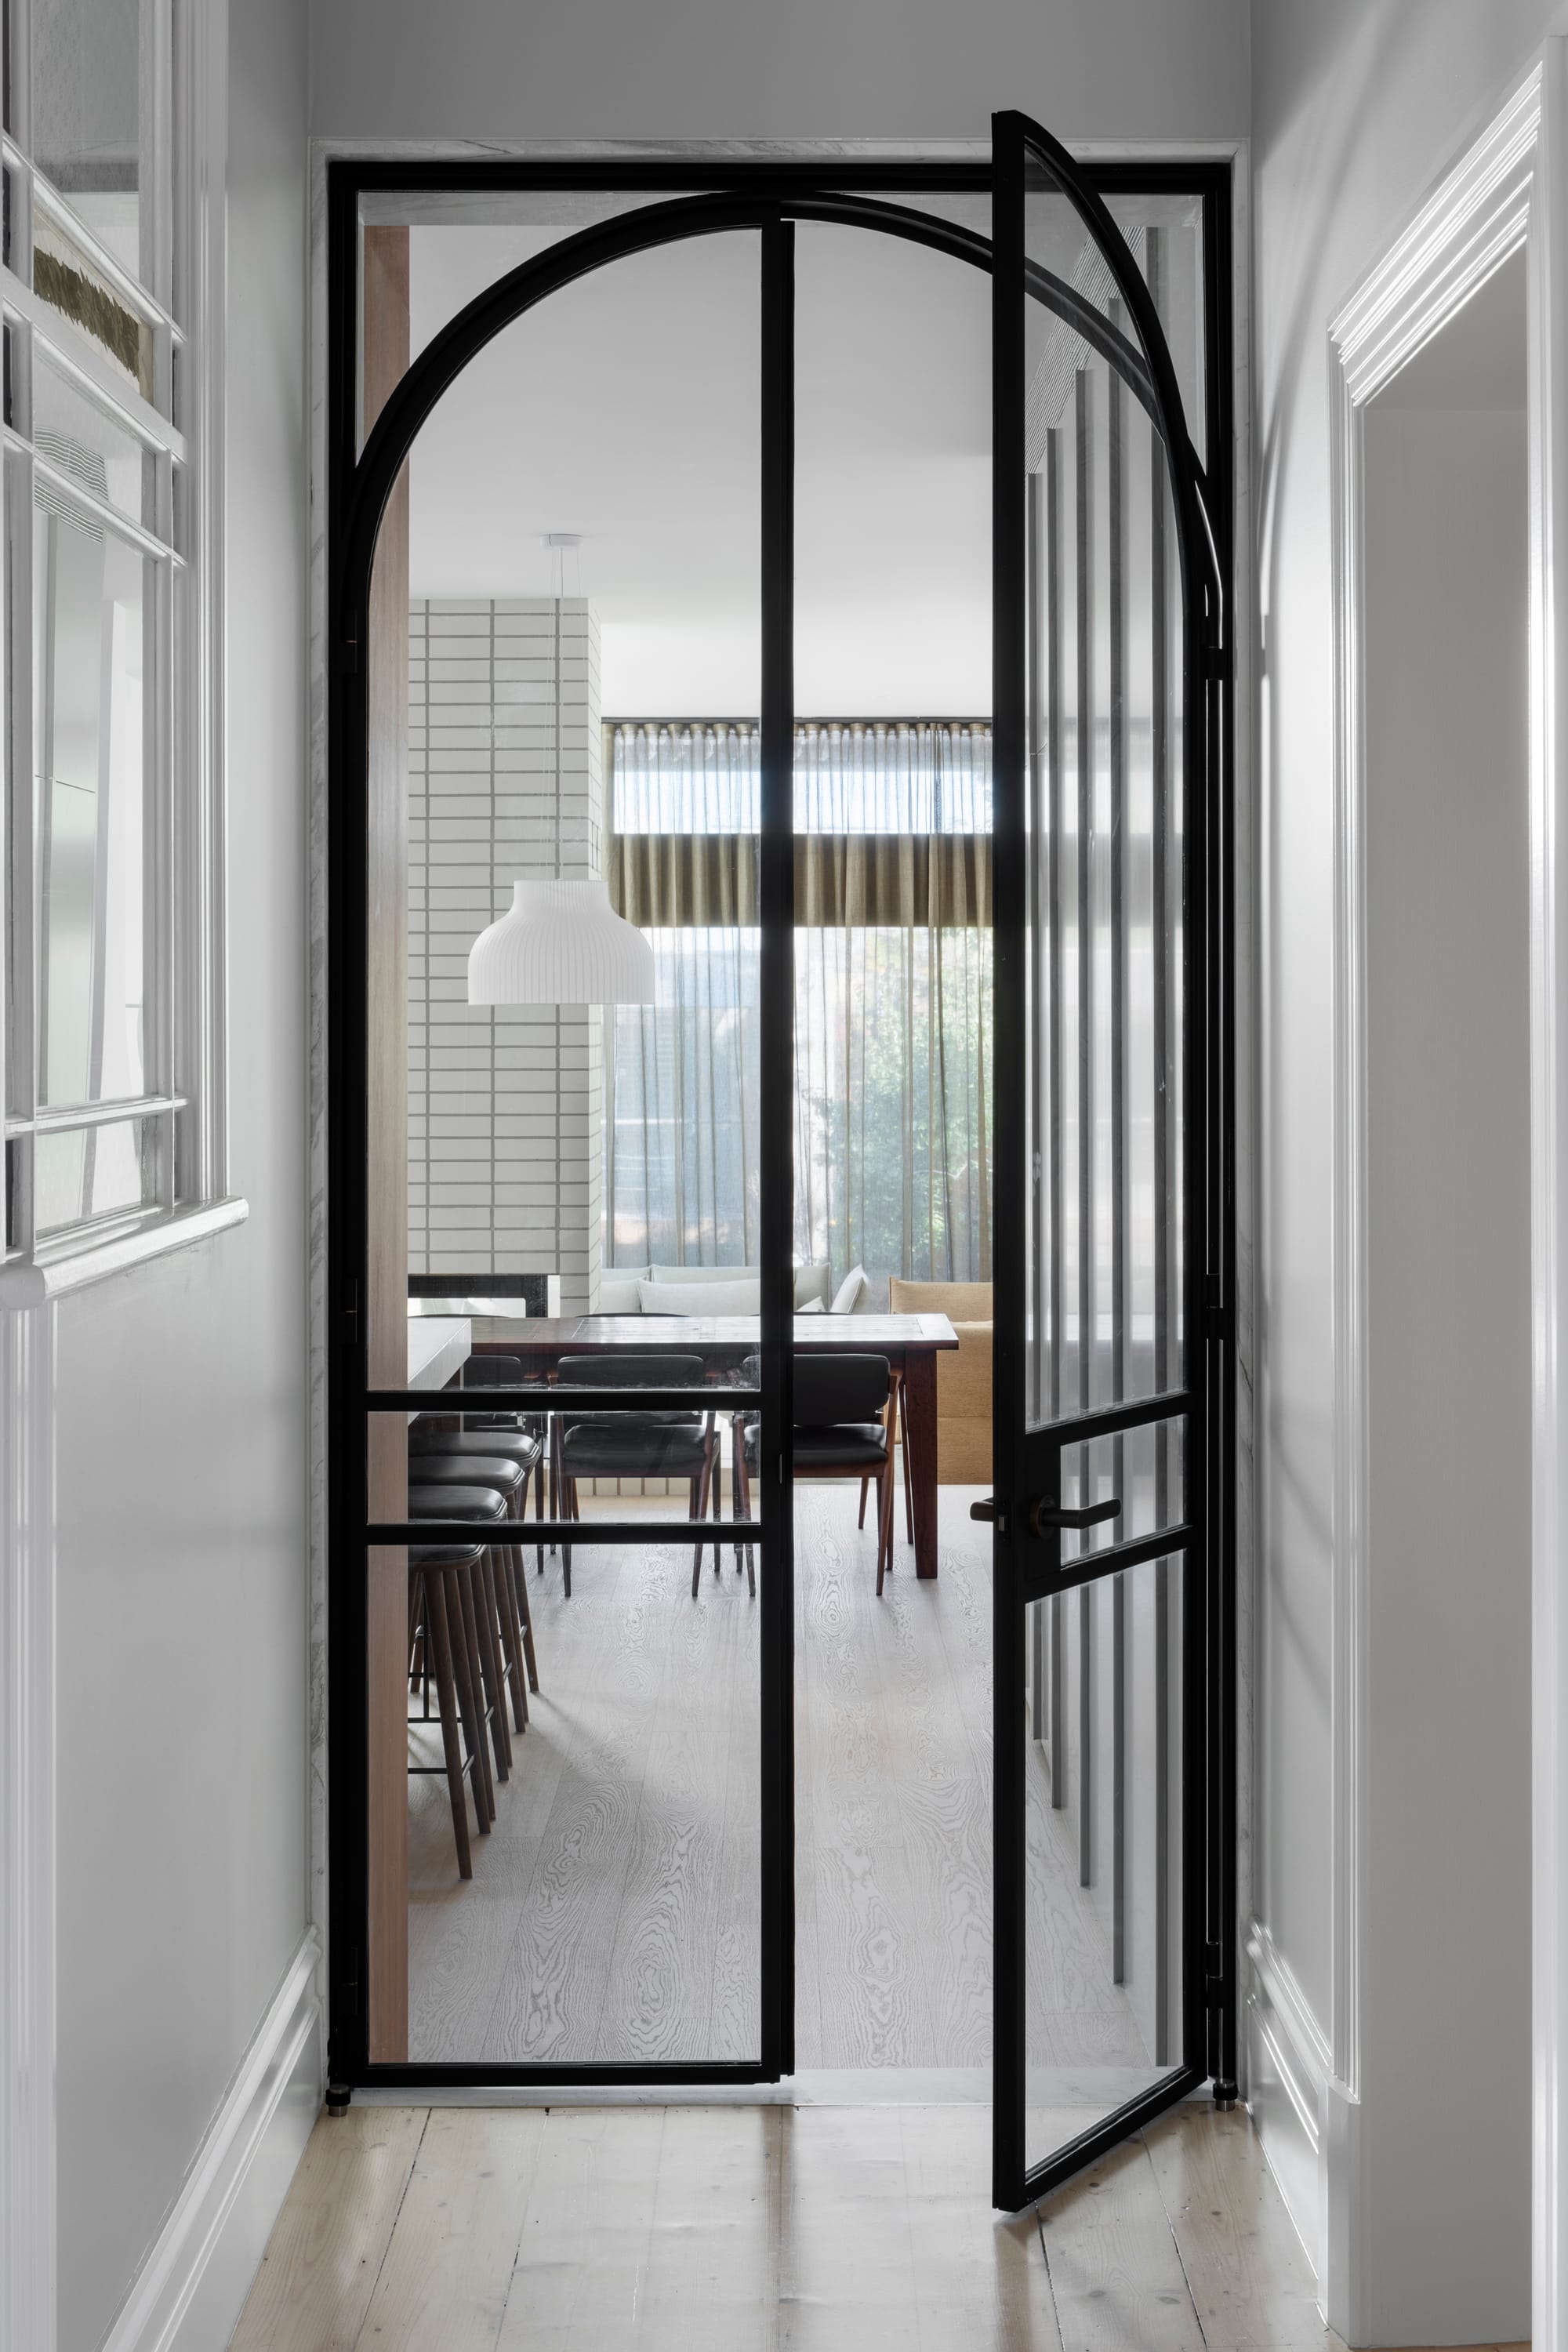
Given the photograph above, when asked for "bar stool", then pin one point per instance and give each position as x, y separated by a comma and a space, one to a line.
489, 1459
433, 1604
506, 1372
440, 1500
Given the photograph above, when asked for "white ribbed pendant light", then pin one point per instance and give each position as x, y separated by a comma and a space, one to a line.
561, 943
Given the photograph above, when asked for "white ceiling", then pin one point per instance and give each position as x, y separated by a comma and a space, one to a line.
625, 407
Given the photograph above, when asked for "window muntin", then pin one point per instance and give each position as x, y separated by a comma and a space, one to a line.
111, 981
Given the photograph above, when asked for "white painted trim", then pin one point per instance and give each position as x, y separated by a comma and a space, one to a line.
1547, 258
25, 1282
1313, 2051
28, 2184
149, 2317
1507, 193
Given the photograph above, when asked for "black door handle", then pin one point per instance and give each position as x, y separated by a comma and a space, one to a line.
1044, 1514
985, 1510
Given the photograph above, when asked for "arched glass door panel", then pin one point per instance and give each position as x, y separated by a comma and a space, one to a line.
1101, 1410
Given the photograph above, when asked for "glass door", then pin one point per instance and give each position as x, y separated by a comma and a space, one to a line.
1107, 1349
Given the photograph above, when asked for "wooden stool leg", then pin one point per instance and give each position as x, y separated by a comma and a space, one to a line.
470, 1607
526, 1614
485, 1600
458, 1609
446, 1702
507, 1561
541, 1472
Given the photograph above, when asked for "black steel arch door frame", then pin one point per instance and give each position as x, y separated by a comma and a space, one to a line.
768, 200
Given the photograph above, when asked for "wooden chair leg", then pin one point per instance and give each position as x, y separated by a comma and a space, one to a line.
470, 1693
699, 1511
904, 1443
862, 1521
743, 1501
717, 1486
884, 1522
541, 1475
441, 1645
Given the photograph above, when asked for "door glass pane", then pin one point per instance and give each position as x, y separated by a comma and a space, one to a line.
565, 652
91, 607
1143, 1469
1105, 832
88, 84
84, 440
66, 278
94, 1171
1102, 1769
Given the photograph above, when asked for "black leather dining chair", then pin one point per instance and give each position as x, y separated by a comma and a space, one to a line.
840, 1431
631, 1444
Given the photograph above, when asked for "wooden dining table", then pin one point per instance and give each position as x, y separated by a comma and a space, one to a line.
911, 1344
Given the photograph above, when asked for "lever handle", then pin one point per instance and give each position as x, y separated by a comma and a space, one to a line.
985, 1510
1044, 1514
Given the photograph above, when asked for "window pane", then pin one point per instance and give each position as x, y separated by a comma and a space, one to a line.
94, 1171
65, 278
87, 443
87, 105
91, 598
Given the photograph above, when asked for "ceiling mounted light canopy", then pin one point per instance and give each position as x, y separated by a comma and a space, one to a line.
561, 943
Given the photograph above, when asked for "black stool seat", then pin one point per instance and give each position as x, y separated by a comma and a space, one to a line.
443, 1555
434, 1501
465, 1470
492, 1444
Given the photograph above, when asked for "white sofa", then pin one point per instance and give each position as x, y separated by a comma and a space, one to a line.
718, 1290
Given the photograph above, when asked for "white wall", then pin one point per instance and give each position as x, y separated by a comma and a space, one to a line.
1446, 2079
753, 68
182, 1472
1358, 107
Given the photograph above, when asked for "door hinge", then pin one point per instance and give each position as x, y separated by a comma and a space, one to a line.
348, 658
1218, 663
1215, 1320
1214, 1977
351, 1313
347, 2002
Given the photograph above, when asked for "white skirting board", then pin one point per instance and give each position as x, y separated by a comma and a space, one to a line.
1289, 2066
189, 2292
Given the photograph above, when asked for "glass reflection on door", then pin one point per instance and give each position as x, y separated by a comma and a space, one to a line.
1104, 1724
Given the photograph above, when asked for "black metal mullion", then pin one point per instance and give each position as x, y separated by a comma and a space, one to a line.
347, 1286
1009, 617
1158, 941
1116, 717
776, 1144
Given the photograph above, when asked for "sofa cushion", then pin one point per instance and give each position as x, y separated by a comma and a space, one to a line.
850, 1292
732, 1297
618, 1289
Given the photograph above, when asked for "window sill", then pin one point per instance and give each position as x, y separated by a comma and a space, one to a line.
30, 1283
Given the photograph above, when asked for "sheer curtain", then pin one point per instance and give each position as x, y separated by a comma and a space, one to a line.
892, 996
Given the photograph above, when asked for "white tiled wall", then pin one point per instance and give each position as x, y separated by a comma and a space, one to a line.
505, 1104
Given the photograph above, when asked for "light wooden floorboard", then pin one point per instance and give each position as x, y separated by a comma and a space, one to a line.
769, 2230
321, 2266
615, 1908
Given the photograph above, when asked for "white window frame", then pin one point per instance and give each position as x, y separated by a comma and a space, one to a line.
184, 157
